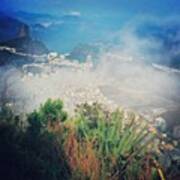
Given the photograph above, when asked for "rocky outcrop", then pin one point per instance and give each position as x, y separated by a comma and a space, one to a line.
26, 45
16, 34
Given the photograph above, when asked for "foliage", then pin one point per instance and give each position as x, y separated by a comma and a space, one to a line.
31, 153
52, 111
48, 115
7, 115
120, 143
94, 144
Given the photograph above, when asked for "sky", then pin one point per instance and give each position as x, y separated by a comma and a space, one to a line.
95, 19
108, 7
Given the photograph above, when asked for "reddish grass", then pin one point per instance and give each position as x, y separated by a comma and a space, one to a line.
82, 157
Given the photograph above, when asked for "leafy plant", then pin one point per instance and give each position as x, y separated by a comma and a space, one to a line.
120, 140
48, 114
94, 144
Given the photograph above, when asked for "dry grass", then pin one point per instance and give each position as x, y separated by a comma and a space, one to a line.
82, 157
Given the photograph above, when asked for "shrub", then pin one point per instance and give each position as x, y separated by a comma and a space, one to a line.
24, 157
52, 111
119, 141
48, 115
32, 153
94, 144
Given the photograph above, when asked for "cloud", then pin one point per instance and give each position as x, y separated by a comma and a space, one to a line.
74, 13
48, 24
124, 76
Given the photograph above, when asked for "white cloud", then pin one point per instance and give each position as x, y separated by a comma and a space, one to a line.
74, 13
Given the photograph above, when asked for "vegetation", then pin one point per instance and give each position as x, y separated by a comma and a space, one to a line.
95, 144
30, 153
104, 145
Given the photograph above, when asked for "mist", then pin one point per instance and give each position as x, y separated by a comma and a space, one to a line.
128, 74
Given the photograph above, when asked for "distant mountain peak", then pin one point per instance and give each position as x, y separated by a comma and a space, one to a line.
11, 28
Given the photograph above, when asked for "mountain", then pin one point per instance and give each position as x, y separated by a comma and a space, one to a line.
11, 28
168, 35
16, 34
29, 15
31, 18
84, 51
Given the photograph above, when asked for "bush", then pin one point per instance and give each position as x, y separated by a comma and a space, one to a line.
94, 144
116, 144
32, 153
52, 111
48, 115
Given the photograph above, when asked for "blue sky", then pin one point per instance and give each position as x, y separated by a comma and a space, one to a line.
95, 19
99, 7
